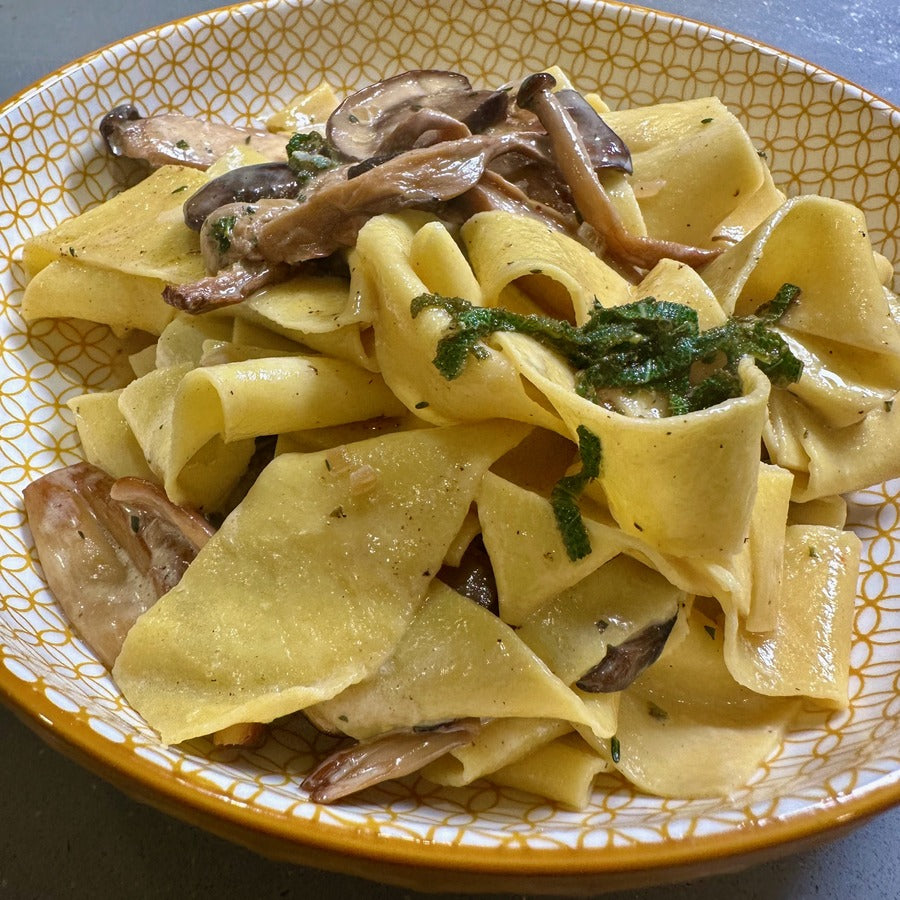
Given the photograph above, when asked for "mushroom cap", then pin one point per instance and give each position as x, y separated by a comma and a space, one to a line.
111, 125
246, 184
364, 121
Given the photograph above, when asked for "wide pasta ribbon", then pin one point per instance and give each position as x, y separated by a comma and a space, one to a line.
397, 253
835, 428
309, 584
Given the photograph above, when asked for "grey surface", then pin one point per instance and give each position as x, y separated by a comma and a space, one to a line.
67, 834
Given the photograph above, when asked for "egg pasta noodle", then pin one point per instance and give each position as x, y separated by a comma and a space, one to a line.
541, 499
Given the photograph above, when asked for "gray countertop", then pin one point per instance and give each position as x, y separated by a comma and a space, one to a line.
68, 834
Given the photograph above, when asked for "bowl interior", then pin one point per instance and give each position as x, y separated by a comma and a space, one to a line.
818, 133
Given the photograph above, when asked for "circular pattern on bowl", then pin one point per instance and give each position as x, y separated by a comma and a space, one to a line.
819, 134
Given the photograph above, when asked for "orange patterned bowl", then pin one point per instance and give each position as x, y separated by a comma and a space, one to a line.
819, 134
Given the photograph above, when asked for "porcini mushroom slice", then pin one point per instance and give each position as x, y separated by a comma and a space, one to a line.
624, 662
360, 126
590, 198
384, 758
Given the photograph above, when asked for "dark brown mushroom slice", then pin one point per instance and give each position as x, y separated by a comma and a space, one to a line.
474, 576
593, 203
624, 662
111, 125
605, 148
421, 128
537, 177
363, 123
246, 184
496, 193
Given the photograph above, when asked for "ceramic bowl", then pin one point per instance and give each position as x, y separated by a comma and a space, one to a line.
819, 134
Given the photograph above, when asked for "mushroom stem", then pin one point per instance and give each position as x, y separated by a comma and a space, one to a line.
591, 200
225, 288
385, 757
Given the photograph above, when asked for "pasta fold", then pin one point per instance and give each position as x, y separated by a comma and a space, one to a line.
307, 587
456, 660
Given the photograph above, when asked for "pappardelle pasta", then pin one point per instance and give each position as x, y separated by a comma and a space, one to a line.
498, 432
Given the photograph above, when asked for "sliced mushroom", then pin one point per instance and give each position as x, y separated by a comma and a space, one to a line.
114, 123
494, 192
605, 148
474, 576
384, 758
174, 139
109, 550
246, 184
332, 215
624, 662
422, 128
232, 285
364, 124
538, 179
591, 199
228, 235
106, 561
148, 497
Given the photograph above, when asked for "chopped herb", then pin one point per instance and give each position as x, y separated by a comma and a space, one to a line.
537, 272
72, 251
327, 465
343, 718
221, 232
615, 749
182, 144
888, 405
338, 513
178, 190
565, 493
308, 155
422, 404
135, 523
80, 533
353, 120
813, 553
601, 625
656, 712
706, 121
648, 344
710, 630
762, 154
